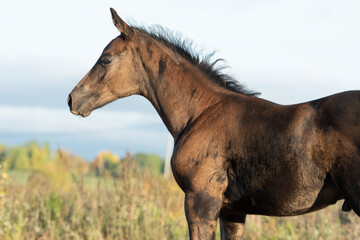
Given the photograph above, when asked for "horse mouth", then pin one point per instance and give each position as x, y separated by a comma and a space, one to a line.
82, 114
85, 114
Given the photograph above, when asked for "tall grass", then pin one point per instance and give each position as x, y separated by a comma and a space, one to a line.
135, 205
327, 224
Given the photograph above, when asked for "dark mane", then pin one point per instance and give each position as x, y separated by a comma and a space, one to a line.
184, 47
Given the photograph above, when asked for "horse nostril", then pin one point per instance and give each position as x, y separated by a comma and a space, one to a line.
69, 102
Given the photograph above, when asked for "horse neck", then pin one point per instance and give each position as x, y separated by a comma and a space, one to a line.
179, 92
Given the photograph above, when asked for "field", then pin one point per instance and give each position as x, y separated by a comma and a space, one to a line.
131, 203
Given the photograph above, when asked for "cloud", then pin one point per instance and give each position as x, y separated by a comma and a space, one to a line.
15, 119
104, 129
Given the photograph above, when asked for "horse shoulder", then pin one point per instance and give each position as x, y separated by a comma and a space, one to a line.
199, 154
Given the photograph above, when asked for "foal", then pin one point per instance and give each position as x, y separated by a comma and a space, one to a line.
234, 154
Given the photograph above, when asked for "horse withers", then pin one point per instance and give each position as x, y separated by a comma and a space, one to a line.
234, 153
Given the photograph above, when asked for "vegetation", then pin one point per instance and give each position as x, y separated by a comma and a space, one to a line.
56, 195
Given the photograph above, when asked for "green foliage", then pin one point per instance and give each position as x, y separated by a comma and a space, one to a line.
28, 157
106, 162
150, 163
18, 159
3, 153
55, 205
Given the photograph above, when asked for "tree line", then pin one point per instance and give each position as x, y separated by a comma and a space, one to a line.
33, 156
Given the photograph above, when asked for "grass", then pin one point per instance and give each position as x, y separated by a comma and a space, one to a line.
330, 224
137, 205
19, 176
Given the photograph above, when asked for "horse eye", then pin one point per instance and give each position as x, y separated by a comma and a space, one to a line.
106, 61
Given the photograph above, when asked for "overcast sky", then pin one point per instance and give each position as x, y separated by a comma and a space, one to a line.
290, 51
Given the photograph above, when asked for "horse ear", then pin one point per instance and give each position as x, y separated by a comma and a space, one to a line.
122, 26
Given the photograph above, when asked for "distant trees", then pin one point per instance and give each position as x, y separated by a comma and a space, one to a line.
33, 156
3, 153
28, 157
107, 162
150, 162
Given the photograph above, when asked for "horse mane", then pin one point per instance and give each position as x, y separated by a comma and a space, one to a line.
184, 48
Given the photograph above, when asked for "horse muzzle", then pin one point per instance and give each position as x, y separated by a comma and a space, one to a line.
78, 109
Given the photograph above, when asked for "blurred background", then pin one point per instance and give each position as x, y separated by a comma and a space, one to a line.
103, 177
289, 51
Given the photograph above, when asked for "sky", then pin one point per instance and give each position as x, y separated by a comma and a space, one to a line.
290, 51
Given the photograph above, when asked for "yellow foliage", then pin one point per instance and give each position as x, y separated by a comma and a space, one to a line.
105, 160
57, 175
4, 176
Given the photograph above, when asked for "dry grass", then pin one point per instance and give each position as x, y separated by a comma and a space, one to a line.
330, 224
137, 205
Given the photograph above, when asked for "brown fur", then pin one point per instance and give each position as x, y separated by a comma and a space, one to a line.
234, 154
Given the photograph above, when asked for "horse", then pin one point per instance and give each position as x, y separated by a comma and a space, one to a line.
234, 153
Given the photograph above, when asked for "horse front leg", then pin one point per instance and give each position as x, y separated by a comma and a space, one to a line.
232, 227
203, 203
202, 211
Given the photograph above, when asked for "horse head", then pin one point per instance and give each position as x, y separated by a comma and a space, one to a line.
116, 73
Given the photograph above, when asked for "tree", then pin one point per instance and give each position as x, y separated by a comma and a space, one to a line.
150, 162
106, 161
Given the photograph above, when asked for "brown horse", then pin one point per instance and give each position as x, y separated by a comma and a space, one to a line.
234, 153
